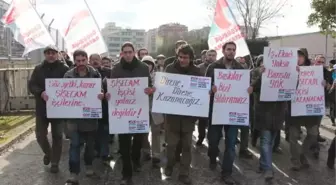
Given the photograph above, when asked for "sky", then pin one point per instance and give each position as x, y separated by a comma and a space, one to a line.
147, 14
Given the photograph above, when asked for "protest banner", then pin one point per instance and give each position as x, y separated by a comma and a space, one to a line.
224, 29
309, 96
73, 98
279, 80
26, 25
181, 94
80, 29
128, 106
232, 101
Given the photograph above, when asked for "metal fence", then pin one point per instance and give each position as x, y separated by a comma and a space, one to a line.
14, 94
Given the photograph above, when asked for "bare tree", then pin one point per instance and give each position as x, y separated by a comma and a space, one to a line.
255, 13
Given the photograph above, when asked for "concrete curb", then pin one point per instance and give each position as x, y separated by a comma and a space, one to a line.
6, 146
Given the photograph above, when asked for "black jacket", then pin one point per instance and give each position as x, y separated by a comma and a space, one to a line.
36, 84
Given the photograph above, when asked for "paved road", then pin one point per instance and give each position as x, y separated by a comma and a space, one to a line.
22, 165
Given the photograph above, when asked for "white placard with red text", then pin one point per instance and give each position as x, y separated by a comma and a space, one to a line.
73, 98
279, 81
80, 30
231, 101
309, 97
26, 26
128, 106
225, 29
181, 94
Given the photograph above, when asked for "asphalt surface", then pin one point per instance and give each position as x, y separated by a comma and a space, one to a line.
22, 165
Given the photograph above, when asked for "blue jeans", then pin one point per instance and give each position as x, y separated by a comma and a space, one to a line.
266, 148
102, 140
74, 151
214, 136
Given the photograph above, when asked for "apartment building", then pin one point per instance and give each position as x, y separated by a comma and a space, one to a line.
171, 31
151, 40
115, 36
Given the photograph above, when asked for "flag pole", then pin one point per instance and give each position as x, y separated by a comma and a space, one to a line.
234, 18
94, 19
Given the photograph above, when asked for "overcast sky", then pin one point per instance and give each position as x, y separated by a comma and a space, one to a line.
147, 14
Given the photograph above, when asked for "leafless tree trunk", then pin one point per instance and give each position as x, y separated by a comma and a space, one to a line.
255, 13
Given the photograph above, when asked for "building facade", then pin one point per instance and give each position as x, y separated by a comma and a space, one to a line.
316, 43
115, 36
151, 40
8, 46
172, 31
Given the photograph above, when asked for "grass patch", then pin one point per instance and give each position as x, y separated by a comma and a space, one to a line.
10, 122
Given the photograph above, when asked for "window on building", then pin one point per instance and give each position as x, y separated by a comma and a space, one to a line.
140, 34
114, 50
126, 39
115, 39
139, 40
126, 33
114, 45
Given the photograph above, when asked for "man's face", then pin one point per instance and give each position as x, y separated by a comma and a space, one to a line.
95, 61
229, 52
51, 56
128, 54
81, 62
211, 57
160, 61
106, 63
301, 60
242, 60
142, 53
184, 59
320, 61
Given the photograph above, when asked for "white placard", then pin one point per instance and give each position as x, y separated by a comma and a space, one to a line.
181, 94
74, 98
279, 80
232, 101
128, 106
309, 98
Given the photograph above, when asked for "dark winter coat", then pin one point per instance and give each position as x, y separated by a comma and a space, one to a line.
268, 115
36, 84
180, 123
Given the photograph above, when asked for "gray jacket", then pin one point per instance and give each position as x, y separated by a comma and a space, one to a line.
82, 125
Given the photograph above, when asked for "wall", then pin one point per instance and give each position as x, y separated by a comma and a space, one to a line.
314, 42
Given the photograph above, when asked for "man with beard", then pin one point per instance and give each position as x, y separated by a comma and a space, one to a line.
102, 139
180, 128
203, 122
51, 67
130, 67
82, 128
215, 131
173, 58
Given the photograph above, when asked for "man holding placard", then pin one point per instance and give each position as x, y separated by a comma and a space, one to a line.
180, 128
51, 67
82, 128
131, 134
215, 131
